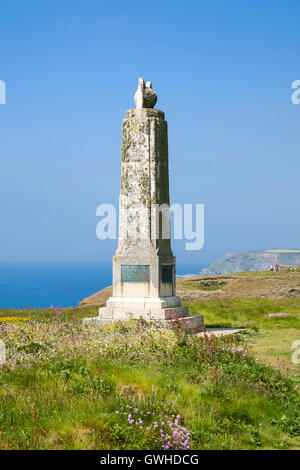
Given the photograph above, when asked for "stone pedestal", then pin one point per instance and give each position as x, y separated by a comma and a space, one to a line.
144, 268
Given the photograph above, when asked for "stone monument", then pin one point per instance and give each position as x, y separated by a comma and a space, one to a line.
144, 265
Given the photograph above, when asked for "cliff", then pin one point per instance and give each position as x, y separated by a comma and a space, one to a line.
252, 261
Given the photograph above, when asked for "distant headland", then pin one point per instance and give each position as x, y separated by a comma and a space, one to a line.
260, 260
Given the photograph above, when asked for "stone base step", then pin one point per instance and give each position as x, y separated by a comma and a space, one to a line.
143, 303
118, 313
187, 323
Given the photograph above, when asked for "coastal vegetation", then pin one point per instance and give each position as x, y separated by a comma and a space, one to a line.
135, 385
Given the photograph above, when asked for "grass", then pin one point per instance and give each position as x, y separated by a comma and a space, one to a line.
46, 314
248, 313
270, 338
273, 346
63, 384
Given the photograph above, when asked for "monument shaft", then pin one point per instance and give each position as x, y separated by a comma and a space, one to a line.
144, 207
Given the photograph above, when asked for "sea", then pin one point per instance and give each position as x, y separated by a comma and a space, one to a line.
62, 285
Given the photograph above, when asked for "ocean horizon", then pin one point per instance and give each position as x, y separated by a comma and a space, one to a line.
29, 285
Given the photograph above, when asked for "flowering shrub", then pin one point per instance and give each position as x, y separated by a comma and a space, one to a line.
36, 341
140, 342
164, 431
30, 342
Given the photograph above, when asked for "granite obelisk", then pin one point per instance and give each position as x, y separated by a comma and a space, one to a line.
144, 266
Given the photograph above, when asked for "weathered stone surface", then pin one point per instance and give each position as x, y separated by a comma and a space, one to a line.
144, 184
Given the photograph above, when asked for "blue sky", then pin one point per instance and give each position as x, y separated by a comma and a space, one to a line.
223, 73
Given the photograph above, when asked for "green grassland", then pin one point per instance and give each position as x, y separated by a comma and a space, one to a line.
65, 386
